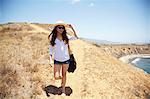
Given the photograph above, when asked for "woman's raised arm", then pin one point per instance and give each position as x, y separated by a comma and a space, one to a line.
73, 31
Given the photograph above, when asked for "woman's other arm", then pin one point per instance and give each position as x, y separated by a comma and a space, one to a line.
51, 49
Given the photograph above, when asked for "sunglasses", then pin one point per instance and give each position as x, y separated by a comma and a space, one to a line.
61, 27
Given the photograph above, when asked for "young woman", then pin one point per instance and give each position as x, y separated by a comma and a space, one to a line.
59, 47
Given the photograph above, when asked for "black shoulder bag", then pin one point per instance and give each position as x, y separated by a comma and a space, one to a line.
72, 64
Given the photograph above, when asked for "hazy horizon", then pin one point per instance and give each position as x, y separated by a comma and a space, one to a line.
125, 21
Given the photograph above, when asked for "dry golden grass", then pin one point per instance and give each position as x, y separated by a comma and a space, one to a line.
9, 81
24, 68
15, 27
19, 56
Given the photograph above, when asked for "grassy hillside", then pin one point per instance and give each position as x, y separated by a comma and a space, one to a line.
25, 70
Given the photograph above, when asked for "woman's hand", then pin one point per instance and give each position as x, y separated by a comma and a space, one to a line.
51, 62
70, 26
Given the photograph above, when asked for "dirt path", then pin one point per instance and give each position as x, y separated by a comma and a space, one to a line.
75, 79
38, 28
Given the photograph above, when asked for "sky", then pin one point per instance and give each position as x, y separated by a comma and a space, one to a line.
126, 21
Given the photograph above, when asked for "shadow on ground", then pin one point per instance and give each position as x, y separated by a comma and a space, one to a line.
51, 89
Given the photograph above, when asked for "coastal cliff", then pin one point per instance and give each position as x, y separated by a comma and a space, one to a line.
120, 50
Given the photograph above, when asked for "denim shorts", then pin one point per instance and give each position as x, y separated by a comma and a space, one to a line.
64, 62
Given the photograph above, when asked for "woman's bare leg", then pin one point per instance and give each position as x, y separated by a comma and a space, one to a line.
64, 72
57, 68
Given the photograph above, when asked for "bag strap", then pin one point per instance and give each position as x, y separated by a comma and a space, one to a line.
69, 49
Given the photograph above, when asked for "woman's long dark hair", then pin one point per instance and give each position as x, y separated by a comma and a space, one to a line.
54, 35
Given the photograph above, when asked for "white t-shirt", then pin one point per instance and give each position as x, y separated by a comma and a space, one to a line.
60, 50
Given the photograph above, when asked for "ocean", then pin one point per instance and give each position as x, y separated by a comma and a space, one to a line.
143, 63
